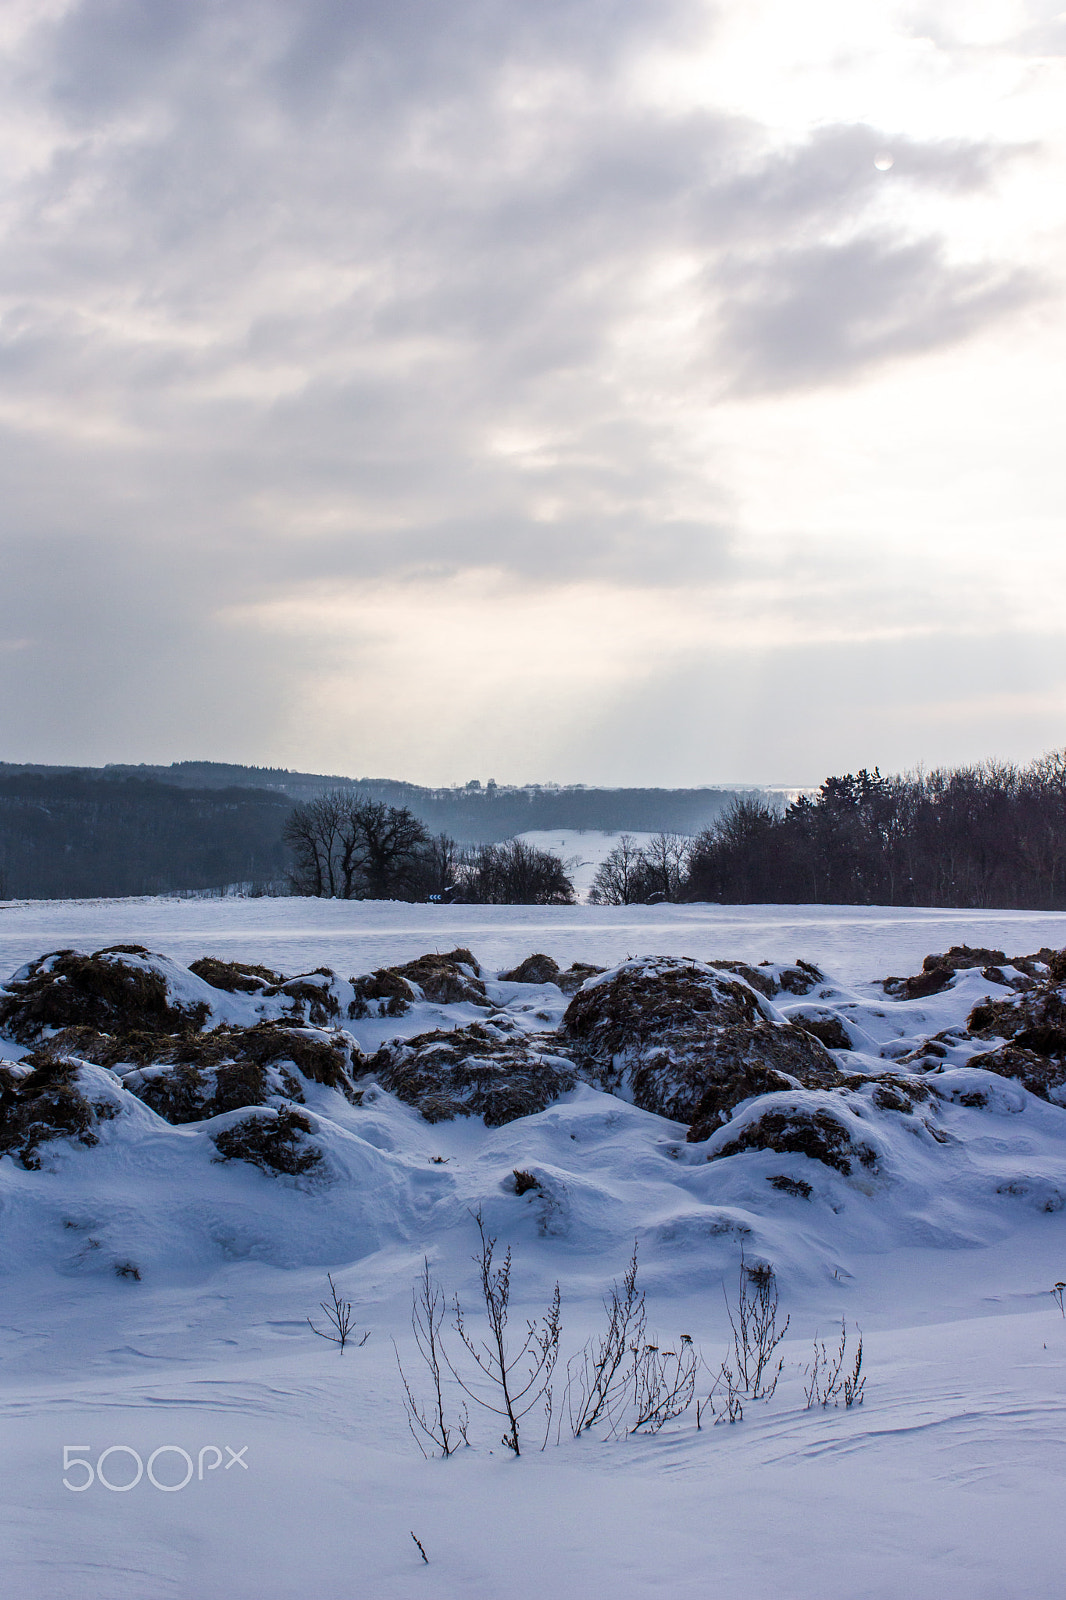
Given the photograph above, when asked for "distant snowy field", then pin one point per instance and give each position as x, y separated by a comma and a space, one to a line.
855, 943
582, 850
947, 1484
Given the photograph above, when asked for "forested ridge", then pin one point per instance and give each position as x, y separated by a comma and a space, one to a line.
473, 813
68, 836
76, 832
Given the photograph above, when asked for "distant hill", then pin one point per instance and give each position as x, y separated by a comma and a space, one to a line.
123, 830
70, 835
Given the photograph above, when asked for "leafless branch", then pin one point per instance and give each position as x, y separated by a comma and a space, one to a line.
339, 1313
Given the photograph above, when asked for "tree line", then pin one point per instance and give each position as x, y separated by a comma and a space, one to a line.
982, 836
990, 835
349, 847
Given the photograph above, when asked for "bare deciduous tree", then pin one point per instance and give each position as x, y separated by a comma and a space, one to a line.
619, 879
438, 866
513, 873
632, 874
349, 847
666, 864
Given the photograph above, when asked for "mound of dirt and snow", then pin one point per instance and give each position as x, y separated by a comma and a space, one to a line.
480, 1071
123, 987
938, 971
127, 990
773, 1073
542, 969
1032, 1027
40, 1102
451, 979
680, 1039
274, 1141
193, 1077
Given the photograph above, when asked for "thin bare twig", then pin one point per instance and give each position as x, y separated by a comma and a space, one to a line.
339, 1313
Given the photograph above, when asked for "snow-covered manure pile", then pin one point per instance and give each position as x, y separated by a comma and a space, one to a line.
187, 1115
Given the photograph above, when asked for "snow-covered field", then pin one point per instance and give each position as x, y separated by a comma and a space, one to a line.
946, 1482
582, 850
855, 943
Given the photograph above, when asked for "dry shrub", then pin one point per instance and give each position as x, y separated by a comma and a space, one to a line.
273, 1143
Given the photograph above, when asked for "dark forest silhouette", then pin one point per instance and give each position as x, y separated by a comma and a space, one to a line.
988, 835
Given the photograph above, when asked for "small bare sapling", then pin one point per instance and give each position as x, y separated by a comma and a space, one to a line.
518, 1380
855, 1382
728, 1390
599, 1378
339, 1315
756, 1334
430, 1423
664, 1382
830, 1377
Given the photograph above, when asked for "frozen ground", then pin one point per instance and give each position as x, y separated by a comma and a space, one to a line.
947, 1482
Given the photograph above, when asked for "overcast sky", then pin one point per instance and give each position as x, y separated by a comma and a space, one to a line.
590, 390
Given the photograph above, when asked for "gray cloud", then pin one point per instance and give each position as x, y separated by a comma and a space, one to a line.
807, 316
332, 291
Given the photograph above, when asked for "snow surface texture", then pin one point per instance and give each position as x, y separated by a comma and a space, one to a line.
155, 1295
854, 943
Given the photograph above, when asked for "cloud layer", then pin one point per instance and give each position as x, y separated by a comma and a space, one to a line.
311, 312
